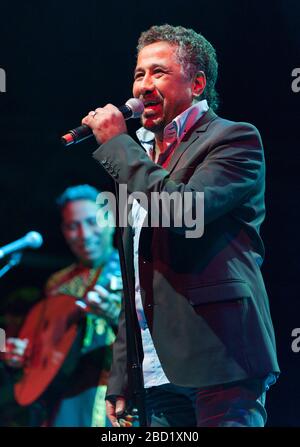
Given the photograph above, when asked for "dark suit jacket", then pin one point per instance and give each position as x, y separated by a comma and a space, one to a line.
204, 299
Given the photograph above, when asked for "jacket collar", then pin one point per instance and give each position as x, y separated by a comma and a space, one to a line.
191, 136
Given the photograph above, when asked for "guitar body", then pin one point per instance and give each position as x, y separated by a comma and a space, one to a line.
51, 328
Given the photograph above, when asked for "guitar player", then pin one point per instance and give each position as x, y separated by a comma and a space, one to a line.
75, 393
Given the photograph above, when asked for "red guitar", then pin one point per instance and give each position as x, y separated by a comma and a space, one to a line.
50, 327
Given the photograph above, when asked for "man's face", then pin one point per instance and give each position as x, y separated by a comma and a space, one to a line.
87, 240
161, 84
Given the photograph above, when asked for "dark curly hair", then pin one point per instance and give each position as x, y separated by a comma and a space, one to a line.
194, 53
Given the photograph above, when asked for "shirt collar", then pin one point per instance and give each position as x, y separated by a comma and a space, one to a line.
176, 129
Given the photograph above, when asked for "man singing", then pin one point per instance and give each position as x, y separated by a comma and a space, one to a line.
203, 311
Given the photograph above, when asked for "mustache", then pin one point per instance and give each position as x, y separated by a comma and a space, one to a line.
150, 98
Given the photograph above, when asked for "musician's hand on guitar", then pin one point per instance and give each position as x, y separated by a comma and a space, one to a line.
15, 353
104, 303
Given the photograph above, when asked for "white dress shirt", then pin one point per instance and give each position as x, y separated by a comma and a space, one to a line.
173, 134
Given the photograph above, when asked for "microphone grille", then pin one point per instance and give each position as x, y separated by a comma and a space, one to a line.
34, 239
136, 105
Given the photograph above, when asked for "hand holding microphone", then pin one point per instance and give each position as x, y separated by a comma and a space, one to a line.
105, 122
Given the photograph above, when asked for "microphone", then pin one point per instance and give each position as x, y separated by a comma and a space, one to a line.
33, 239
132, 109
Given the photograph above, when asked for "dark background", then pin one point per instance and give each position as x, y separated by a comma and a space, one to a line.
63, 59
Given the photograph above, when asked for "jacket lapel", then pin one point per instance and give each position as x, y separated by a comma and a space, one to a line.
193, 134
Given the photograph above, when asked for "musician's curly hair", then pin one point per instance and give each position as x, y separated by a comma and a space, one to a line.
194, 53
78, 192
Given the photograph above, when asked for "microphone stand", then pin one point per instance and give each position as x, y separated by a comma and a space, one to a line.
13, 261
133, 335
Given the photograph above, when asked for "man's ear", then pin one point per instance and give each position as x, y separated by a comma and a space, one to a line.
199, 84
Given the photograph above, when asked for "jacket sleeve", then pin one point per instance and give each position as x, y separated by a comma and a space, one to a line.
118, 380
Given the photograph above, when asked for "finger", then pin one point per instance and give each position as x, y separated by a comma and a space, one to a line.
111, 413
12, 339
114, 298
18, 351
104, 293
22, 343
87, 120
93, 297
120, 405
105, 306
99, 109
82, 305
17, 343
112, 108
